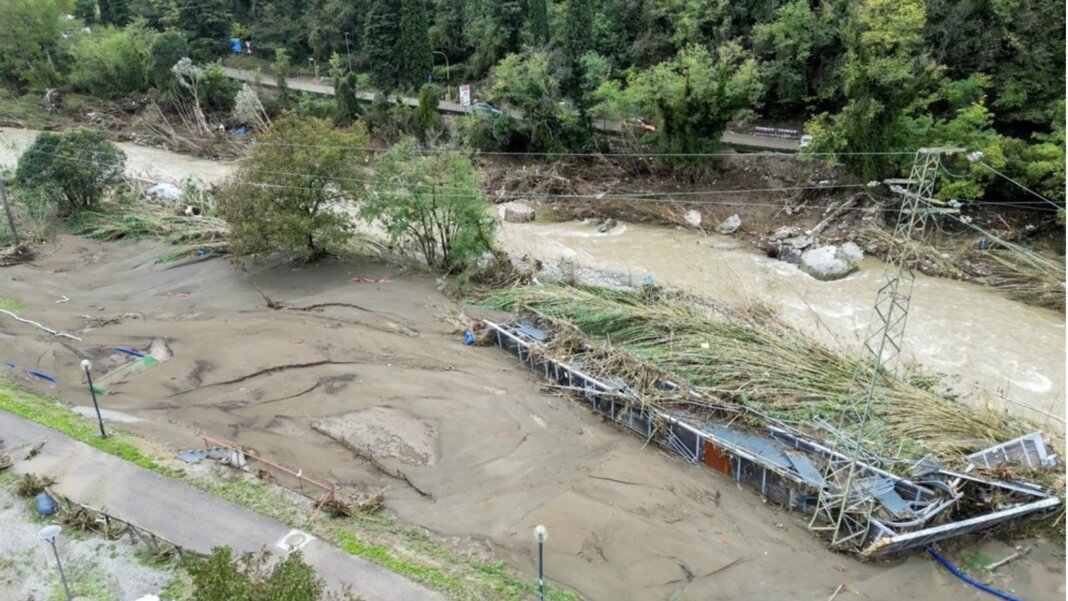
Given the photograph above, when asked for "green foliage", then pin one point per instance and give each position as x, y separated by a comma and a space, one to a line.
216, 91
433, 203
538, 21
248, 577
692, 96
113, 63
577, 40
281, 67
488, 132
527, 82
205, 23
167, 49
380, 39
74, 168
85, 10
427, 120
289, 196
886, 73
31, 38
347, 106
413, 45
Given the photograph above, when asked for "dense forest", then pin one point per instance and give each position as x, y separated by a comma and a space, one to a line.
861, 76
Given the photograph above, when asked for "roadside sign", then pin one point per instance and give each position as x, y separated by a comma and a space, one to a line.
465, 95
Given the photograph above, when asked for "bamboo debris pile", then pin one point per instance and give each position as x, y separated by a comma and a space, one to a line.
136, 220
744, 357
1022, 275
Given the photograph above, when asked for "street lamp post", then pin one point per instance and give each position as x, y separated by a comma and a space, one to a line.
48, 534
448, 96
348, 51
87, 366
541, 533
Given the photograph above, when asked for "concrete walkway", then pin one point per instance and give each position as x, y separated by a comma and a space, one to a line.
185, 515
313, 86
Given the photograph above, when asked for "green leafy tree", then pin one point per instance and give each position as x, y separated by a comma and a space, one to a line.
433, 203
427, 120
886, 74
248, 577
578, 40
345, 99
115, 12
289, 196
113, 63
692, 97
281, 66
538, 21
75, 169
528, 83
205, 24
167, 49
85, 10
380, 38
30, 41
413, 45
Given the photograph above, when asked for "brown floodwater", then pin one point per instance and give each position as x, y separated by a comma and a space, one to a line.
1000, 351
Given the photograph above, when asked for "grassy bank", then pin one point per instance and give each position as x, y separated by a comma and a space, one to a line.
746, 356
378, 538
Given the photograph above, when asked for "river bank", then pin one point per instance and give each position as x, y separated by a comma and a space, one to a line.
963, 330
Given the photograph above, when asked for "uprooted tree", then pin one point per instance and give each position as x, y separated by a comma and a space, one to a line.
292, 195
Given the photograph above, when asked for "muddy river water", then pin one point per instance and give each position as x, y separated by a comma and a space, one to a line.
1005, 353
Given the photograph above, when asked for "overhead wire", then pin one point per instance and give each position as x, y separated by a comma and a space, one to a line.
1018, 184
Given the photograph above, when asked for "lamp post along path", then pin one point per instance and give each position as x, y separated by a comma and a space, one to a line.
48, 534
87, 366
541, 533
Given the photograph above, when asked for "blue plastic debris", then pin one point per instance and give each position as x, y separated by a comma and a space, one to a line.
469, 338
10, 364
43, 376
45, 504
240, 131
648, 280
128, 351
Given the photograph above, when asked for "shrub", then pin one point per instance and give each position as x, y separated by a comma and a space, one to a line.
248, 577
216, 91
74, 168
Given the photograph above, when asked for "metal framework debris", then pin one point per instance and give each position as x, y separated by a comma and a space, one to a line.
788, 466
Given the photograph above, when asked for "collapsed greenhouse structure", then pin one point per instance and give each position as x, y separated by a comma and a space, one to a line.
888, 509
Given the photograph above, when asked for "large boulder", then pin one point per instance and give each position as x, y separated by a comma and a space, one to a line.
829, 262
730, 225
516, 212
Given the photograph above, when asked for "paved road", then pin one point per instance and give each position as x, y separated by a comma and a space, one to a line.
184, 515
316, 87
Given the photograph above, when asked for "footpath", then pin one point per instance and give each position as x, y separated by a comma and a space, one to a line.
185, 515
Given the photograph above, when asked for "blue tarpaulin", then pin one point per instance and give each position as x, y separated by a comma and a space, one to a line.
235, 45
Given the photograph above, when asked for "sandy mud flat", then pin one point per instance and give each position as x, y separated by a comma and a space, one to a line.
486, 453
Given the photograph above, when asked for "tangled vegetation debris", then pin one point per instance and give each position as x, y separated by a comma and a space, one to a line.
744, 356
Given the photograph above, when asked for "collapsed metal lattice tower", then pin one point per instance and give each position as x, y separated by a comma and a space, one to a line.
845, 504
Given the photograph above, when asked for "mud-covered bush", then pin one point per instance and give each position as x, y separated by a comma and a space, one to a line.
73, 169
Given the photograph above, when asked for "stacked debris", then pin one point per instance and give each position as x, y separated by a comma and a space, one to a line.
755, 400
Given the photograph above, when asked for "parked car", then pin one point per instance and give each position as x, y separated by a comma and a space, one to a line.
806, 141
485, 107
637, 123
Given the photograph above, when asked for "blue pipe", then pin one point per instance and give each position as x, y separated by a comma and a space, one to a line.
964, 577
